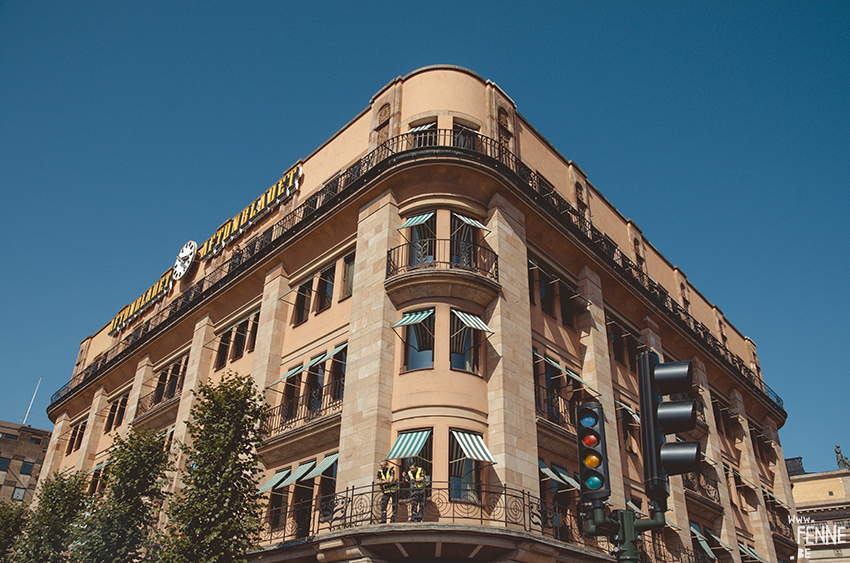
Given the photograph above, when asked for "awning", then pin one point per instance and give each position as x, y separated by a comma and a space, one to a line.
408, 444
297, 474
274, 480
319, 469
671, 524
418, 220
473, 446
774, 497
558, 475
98, 466
471, 321
701, 540
569, 372
630, 410
633, 506
471, 222
317, 360
296, 370
751, 552
718, 540
414, 318
431, 125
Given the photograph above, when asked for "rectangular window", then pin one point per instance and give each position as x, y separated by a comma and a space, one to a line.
240, 338
4, 463
325, 291
328, 489
547, 291
302, 301
464, 473
338, 365
315, 384
26, 468
35, 440
425, 457
76, 440
464, 243
419, 340
423, 239
223, 347
568, 307
617, 342
531, 270
19, 493
347, 276
116, 413
10, 436
464, 344
632, 346
252, 333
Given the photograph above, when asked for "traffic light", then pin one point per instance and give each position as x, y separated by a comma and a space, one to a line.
658, 418
592, 453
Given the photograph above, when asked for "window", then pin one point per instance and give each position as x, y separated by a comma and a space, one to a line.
347, 276
77, 433
531, 269
10, 436
424, 458
26, 468
35, 440
240, 338
327, 488
419, 339
18, 494
237, 340
302, 301
465, 138
315, 382
464, 473
464, 341
464, 241
338, 364
223, 345
325, 291
568, 308
629, 428
547, 291
423, 230
617, 342
116, 413
4, 463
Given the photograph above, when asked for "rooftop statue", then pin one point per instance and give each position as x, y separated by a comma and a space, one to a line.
842, 461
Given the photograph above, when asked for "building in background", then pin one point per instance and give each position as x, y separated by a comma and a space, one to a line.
437, 283
22, 450
823, 506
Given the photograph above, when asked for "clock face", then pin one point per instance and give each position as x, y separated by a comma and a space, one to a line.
184, 260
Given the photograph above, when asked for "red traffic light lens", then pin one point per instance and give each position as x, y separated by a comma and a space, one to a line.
590, 440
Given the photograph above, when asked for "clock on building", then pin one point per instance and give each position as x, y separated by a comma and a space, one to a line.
184, 260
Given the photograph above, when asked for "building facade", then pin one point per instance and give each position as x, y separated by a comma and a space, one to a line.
437, 283
22, 450
822, 501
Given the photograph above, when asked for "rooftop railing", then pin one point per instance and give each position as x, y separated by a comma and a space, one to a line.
463, 144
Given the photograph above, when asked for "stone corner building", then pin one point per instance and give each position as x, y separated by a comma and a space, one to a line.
437, 282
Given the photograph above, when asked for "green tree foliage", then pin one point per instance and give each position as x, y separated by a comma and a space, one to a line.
13, 518
216, 518
49, 531
121, 524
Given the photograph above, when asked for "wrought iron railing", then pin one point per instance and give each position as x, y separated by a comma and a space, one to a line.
649, 552
445, 254
779, 523
702, 484
501, 507
460, 144
301, 410
553, 407
161, 394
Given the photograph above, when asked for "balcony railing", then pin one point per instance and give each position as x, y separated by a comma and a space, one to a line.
500, 507
779, 523
301, 410
702, 484
553, 407
459, 144
161, 394
443, 254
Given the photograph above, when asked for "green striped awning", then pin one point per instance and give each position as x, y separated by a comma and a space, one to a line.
418, 220
319, 469
471, 222
296, 370
297, 474
725, 546
702, 541
472, 321
274, 480
414, 318
473, 446
556, 474
316, 360
747, 550
98, 466
630, 410
408, 444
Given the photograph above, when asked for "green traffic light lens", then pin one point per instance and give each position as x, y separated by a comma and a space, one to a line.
593, 482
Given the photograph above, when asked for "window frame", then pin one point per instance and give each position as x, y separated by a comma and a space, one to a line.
303, 301
325, 288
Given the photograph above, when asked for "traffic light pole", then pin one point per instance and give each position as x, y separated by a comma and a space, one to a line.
623, 529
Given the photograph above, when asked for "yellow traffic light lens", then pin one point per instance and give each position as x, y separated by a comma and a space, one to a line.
592, 460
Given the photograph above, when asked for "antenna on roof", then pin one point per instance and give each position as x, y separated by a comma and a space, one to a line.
31, 401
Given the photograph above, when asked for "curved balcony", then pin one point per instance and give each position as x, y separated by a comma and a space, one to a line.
430, 268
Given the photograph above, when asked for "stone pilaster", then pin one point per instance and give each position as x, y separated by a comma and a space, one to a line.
512, 422
366, 433
144, 373
596, 371
56, 449
265, 366
94, 429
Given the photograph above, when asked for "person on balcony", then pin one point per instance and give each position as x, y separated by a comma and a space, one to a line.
389, 488
418, 481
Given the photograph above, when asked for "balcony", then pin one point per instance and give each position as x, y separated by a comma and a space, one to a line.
704, 488
430, 268
162, 397
554, 408
490, 511
304, 409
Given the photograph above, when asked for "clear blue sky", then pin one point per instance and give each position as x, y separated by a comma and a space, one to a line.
721, 129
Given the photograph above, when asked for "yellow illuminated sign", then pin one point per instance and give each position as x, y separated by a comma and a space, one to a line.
227, 233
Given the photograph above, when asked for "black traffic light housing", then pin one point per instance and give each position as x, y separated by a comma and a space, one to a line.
592, 454
657, 418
